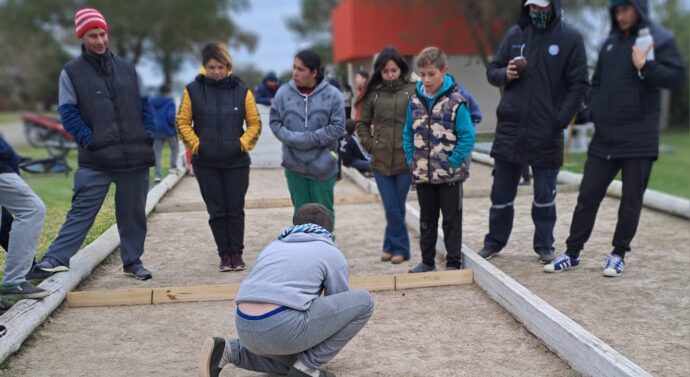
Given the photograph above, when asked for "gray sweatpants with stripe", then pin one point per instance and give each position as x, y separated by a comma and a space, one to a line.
314, 336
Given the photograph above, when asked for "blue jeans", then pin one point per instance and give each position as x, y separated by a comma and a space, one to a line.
503, 192
29, 212
393, 190
90, 189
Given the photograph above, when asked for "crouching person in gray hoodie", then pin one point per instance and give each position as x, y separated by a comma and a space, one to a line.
283, 323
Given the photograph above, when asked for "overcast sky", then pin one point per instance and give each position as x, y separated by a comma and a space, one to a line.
275, 48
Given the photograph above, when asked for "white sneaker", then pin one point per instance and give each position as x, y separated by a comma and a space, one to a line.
614, 266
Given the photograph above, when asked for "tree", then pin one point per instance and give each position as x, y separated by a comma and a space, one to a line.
35, 35
314, 25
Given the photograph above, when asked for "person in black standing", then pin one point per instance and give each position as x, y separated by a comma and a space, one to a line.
102, 106
537, 104
625, 108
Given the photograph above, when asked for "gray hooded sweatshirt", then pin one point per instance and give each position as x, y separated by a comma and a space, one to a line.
294, 271
309, 126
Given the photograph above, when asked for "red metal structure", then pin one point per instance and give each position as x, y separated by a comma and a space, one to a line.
362, 27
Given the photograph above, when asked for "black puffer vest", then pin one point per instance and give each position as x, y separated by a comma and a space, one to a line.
218, 117
107, 91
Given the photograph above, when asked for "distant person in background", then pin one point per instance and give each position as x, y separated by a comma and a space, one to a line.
347, 98
211, 119
103, 107
380, 127
475, 115
526, 177
166, 132
351, 149
625, 106
265, 91
308, 117
361, 79
18, 200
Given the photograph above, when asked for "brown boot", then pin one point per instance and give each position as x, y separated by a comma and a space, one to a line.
386, 257
397, 259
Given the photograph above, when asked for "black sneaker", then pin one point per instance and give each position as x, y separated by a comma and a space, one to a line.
546, 256
22, 291
452, 266
37, 274
210, 356
422, 267
139, 272
487, 253
50, 264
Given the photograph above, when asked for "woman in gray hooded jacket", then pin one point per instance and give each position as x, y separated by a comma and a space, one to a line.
308, 117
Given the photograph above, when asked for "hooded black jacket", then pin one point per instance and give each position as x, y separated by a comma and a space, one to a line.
535, 108
625, 105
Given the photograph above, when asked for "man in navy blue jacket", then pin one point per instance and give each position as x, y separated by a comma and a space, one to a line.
265, 91
625, 108
101, 105
29, 212
535, 107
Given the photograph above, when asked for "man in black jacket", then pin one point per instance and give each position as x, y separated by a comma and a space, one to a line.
537, 104
625, 108
102, 106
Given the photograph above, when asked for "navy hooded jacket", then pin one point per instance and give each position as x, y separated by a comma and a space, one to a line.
263, 93
535, 108
164, 115
626, 104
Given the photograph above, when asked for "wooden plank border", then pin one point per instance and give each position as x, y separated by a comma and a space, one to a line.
198, 293
583, 351
26, 315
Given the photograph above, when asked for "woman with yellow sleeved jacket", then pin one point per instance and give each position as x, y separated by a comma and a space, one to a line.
210, 122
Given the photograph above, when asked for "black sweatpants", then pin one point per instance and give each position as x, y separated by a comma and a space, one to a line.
598, 175
223, 191
445, 198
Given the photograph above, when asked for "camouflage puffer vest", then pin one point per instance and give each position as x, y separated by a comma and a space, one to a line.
435, 138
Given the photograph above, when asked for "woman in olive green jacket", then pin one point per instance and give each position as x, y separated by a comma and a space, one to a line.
382, 111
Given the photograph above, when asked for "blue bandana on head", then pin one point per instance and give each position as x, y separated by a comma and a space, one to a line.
540, 20
304, 228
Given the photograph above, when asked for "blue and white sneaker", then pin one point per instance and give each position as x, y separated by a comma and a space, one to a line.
562, 263
614, 266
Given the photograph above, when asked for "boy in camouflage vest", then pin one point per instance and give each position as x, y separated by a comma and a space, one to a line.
437, 137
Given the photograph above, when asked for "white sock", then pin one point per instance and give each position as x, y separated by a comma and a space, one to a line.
299, 365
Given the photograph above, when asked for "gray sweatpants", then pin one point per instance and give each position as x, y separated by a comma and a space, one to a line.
158, 145
314, 336
29, 212
90, 188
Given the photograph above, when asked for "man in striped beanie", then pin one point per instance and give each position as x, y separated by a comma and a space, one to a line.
102, 106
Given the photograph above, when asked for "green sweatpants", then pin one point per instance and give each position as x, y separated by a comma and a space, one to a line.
305, 190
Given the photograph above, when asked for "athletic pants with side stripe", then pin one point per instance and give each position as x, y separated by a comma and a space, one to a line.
506, 178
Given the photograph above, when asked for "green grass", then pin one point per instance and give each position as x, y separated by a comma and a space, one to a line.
56, 192
670, 173
9, 117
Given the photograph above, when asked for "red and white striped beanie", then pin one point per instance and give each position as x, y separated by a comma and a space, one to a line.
87, 19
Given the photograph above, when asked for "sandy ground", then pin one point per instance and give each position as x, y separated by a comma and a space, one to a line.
644, 314
466, 334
